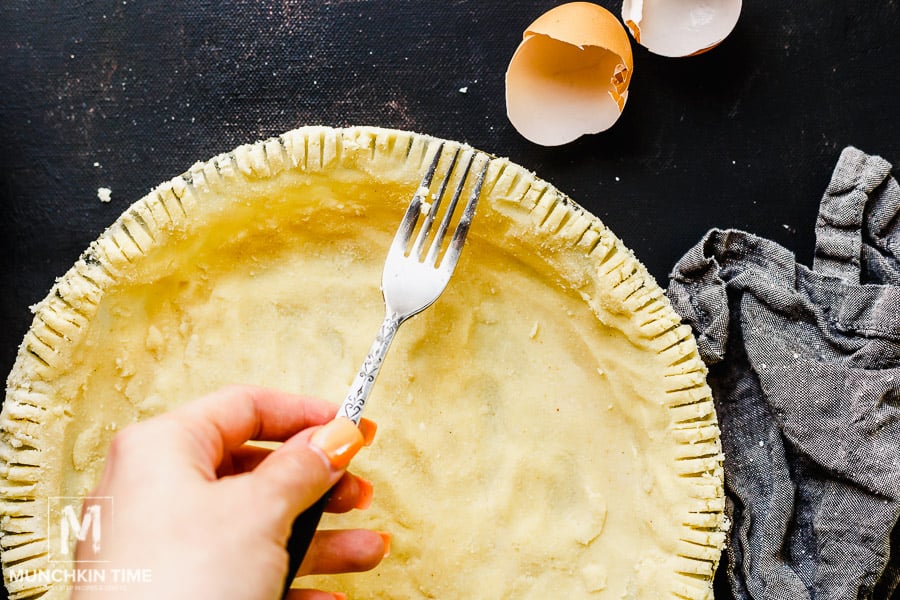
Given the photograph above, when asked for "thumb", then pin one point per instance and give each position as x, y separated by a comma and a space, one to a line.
306, 466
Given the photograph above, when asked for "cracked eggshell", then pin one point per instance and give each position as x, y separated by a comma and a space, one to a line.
680, 27
570, 74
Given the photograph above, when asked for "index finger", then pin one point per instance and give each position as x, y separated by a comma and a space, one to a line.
223, 420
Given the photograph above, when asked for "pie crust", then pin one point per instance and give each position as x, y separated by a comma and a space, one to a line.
546, 430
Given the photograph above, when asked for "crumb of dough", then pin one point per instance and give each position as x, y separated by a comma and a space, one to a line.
105, 194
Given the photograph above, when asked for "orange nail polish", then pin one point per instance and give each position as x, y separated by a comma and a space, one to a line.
386, 538
366, 491
368, 429
339, 596
339, 441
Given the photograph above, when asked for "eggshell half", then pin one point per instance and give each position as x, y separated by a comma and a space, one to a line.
570, 74
680, 27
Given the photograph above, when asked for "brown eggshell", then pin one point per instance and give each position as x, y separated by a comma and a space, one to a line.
570, 74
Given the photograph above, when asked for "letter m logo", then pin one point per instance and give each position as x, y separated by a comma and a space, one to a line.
73, 520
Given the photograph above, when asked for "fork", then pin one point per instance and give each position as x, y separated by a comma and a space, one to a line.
413, 278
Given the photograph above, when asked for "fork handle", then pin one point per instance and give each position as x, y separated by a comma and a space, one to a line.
355, 400
304, 527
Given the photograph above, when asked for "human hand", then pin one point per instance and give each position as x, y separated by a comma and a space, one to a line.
207, 516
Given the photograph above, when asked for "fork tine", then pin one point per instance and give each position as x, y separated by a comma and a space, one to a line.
462, 229
411, 217
419, 246
448, 215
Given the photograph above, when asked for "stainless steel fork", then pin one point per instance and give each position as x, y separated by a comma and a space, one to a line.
413, 278
415, 273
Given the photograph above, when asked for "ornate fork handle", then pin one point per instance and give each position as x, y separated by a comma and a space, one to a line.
353, 404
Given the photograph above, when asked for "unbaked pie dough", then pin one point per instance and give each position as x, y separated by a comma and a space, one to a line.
546, 430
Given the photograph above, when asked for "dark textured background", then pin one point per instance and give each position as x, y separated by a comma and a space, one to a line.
126, 94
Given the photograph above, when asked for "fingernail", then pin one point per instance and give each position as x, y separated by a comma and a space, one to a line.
339, 596
366, 490
368, 429
339, 441
386, 538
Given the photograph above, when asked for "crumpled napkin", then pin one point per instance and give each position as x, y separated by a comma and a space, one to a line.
804, 365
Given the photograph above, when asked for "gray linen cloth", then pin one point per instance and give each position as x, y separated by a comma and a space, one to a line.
804, 365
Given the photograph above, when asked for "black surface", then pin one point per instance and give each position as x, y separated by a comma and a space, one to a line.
127, 94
